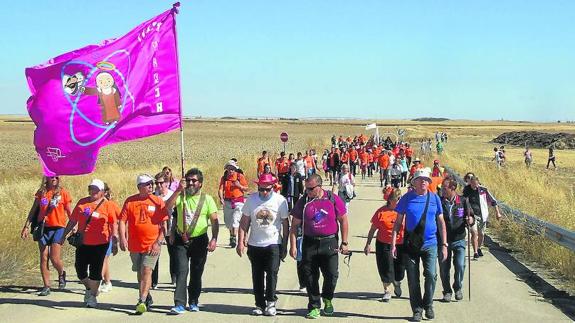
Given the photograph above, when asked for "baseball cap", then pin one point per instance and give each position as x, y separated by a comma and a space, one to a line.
98, 183
144, 178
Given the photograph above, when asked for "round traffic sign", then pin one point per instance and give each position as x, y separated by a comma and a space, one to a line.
284, 136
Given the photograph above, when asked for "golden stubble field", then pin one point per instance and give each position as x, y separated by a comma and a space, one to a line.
210, 143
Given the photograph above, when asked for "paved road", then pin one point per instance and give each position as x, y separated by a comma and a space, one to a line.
498, 296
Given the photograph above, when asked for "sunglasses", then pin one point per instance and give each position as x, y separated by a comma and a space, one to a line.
147, 184
309, 189
160, 183
192, 180
264, 189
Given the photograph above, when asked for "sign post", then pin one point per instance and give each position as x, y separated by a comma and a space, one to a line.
284, 138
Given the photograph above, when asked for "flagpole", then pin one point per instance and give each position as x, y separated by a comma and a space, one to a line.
175, 11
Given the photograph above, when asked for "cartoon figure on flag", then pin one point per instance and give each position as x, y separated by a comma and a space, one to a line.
108, 94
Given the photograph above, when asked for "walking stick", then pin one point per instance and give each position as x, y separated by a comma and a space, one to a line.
469, 261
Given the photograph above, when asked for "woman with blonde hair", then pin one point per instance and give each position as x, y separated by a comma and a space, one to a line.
390, 270
172, 181
50, 212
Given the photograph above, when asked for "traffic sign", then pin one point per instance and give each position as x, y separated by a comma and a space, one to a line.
284, 136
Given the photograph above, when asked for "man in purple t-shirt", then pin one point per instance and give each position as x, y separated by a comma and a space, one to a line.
319, 212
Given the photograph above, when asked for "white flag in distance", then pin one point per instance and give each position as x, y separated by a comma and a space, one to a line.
371, 126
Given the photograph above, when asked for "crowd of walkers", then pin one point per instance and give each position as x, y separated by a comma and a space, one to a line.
500, 157
294, 211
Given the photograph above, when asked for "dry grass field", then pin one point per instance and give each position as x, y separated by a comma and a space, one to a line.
210, 143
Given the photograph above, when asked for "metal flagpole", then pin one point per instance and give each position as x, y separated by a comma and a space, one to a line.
469, 261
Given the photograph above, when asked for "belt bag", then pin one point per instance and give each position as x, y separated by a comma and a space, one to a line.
414, 240
77, 239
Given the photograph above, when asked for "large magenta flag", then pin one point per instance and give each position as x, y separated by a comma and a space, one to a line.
119, 90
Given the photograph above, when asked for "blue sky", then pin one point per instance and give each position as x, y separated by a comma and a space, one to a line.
329, 58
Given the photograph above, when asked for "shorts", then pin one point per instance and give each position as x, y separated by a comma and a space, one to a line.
109, 251
91, 257
51, 235
232, 216
478, 223
143, 259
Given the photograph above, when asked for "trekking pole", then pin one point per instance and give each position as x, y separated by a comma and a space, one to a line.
469, 261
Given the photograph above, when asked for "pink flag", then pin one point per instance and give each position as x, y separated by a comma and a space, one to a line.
122, 89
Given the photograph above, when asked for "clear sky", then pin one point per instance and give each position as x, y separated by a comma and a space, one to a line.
328, 58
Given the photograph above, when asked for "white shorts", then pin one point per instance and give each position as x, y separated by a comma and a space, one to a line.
232, 216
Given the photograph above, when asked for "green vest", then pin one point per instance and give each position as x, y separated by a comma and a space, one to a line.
191, 209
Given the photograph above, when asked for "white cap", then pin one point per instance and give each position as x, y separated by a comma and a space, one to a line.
98, 183
144, 178
425, 173
232, 163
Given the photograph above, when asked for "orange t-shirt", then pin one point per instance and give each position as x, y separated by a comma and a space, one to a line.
344, 157
408, 152
435, 182
282, 165
56, 217
230, 191
383, 161
262, 163
309, 162
384, 220
364, 157
144, 216
414, 168
370, 157
98, 231
353, 154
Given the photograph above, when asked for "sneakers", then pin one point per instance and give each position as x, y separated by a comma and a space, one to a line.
475, 256
479, 252
87, 294
44, 291
446, 297
177, 310
429, 313
149, 301
257, 311
105, 287
458, 295
397, 288
141, 308
154, 286
92, 301
417, 317
386, 296
62, 280
327, 307
302, 289
313, 314
194, 307
270, 309
233, 242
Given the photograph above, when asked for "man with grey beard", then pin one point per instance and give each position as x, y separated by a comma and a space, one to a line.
189, 237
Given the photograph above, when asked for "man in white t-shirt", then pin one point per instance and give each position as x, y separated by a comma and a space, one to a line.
300, 165
265, 217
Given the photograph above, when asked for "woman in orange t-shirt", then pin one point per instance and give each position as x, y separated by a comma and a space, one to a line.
97, 224
390, 269
50, 210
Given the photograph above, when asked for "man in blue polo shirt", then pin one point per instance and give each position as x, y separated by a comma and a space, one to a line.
412, 205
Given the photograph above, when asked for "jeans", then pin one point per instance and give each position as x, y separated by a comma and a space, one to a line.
265, 266
194, 256
319, 255
457, 249
428, 255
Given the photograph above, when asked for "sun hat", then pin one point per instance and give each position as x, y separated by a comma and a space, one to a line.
98, 183
266, 179
423, 173
416, 160
143, 179
231, 163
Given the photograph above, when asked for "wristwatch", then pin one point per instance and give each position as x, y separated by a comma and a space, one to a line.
344, 243
445, 245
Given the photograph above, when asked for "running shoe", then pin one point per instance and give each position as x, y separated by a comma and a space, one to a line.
417, 317
149, 301
194, 307
141, 308
105, 287
313, 314
257, 311
475, 256
446, 297
429, 313
176, 310
458, 295
44, 291
386, 297
397, 288
92, 301
327, 307
62, 280
270, 309
479, 252
87, 294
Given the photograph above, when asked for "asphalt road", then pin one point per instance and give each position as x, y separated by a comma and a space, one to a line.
497, 294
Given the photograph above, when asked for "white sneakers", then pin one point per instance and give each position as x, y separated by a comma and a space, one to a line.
105, 287
271, 309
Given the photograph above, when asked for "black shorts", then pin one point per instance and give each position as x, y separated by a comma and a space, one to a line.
92, 257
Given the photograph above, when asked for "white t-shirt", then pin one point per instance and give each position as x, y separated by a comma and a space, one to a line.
266, 219
170, 220
345, 179
300, 166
